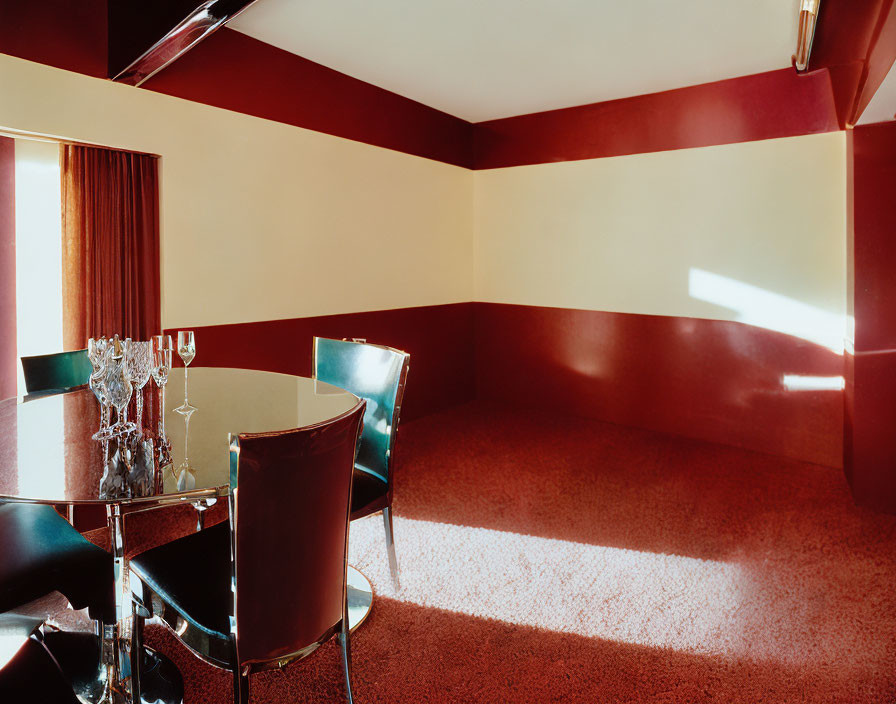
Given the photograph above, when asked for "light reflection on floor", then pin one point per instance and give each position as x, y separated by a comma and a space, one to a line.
749, 608
589, 590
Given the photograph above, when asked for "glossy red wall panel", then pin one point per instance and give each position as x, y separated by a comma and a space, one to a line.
708, 379
8, 353
713, 380
69, 34
438, 338
870, 427
857, 40
762, 106
234, 71
874, 226
870, 446
237, 72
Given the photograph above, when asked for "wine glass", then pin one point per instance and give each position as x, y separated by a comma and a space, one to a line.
99, 353
139, 367
97, 349
160, 342
161, 363
161, 366
160, 369
186, 350
119, 389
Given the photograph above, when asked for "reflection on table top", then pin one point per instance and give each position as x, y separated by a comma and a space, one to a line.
47, 454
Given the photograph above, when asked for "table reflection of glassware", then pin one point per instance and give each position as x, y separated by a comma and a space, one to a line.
186, 350
161, 368
142, 476
139, 367
186, 477
113, 484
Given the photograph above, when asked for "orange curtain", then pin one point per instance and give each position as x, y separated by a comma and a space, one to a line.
110, 245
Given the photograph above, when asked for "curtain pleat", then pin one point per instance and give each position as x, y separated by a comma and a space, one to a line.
110, 245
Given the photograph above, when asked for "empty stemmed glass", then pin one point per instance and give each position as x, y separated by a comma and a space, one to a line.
139, 367
99, 352
186, 350
161, 367
119, 388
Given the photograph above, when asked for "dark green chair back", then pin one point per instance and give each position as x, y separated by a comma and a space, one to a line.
377, 374
57, 372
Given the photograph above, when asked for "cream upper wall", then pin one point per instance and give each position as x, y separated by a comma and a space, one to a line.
262, 220
760, 225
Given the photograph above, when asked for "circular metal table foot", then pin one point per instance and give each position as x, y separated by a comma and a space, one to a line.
78, 655
160, 680
360, 597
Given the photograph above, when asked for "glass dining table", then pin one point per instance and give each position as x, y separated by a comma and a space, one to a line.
48, 456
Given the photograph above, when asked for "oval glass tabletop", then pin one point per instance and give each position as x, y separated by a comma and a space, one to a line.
47, 453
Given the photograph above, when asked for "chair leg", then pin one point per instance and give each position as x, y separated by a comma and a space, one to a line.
240, 687
345, 642
390, 547
137, 625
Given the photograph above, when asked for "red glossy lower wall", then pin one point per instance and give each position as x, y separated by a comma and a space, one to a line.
707, 379
438, 339
870, 429
869, 455
714, 380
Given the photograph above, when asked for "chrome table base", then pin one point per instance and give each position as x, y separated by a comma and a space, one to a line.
360, 598
78, 654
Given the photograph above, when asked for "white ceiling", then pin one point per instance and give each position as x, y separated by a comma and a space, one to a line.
486, 59
883, 105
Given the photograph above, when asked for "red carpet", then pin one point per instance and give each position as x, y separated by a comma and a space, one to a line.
565, 560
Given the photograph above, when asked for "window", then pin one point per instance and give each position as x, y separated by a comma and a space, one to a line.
38, 250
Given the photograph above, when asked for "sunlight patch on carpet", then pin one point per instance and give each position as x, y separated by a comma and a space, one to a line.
623, 595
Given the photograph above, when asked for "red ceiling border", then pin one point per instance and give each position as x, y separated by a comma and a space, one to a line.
855, 40
237, 72
762, 106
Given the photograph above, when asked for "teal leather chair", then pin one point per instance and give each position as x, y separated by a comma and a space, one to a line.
48, 374
34, 674
41, 554
377, 374
268, 587
55, 373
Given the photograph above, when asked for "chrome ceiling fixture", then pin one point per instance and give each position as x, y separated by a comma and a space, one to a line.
805, 34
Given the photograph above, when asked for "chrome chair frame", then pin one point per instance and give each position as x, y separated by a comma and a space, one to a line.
224, 653
390, 452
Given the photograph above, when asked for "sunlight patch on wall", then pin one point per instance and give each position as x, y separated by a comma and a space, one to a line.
772, 311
